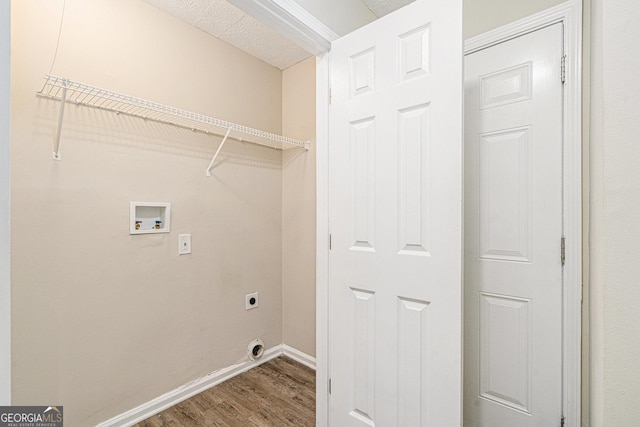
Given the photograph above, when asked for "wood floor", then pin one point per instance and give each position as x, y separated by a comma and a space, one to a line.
279, 393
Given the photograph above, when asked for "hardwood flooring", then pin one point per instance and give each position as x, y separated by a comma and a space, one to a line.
280, 392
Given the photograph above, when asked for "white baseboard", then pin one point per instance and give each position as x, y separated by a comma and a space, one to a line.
186, 391
299, 356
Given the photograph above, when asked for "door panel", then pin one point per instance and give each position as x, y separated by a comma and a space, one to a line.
395, 207
513, 227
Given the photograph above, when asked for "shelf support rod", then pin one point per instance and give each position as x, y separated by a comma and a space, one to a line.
215, 156
56, 142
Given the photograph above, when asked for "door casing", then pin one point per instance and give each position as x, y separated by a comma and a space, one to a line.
570, 15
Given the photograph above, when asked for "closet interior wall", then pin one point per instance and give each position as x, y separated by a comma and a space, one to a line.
299, 209
103, 321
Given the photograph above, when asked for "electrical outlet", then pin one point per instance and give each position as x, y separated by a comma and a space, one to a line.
184, 241
251, 301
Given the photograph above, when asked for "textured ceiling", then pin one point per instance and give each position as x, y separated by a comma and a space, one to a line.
226, 22
384, 7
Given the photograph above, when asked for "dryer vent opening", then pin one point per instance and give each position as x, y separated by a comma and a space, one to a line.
255, 349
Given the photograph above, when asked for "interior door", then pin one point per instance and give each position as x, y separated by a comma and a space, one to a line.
395, 212
513, 229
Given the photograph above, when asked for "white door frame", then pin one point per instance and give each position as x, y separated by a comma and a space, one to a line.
570, 15
5, 202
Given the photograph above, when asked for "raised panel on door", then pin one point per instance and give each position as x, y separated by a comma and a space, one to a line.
413, 180
363, 335
504, 194
395, 197
362, 183
513, 226
413, 361
505, 351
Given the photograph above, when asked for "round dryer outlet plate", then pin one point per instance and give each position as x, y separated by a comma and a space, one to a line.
255, 350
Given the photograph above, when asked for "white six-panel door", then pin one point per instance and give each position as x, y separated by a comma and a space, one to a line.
395, 145
513, 229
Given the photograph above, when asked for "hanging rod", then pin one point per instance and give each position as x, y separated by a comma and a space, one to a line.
68, 91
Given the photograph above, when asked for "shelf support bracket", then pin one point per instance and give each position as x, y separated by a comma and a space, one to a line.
215, 156
56, 142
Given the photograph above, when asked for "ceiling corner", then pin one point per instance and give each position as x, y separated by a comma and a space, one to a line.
292, 21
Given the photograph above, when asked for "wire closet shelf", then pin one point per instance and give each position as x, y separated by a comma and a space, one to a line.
69, 91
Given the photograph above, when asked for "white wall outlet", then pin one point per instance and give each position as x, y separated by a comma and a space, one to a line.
184, 241
251, 301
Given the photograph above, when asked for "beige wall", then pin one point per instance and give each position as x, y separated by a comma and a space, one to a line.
299, 209
615, 229
104, 321
5, 283
484, 15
